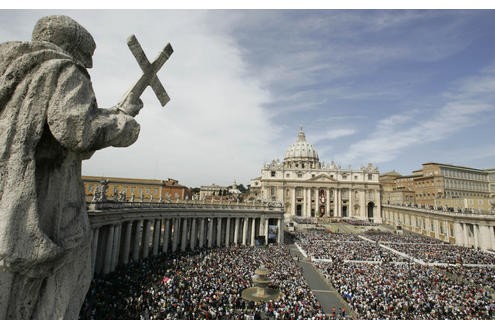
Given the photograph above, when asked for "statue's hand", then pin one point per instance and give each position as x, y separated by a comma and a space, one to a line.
131, 104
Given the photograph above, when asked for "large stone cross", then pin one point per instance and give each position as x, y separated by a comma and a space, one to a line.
150, 69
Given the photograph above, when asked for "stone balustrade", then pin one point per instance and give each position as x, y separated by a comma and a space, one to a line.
124, 232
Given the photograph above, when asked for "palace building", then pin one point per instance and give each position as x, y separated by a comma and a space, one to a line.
309, 188
136, 190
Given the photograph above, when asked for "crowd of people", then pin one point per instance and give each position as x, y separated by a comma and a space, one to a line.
375, 282
202, 285
385, 237
450, 254
407, 291
343, 247
358, 222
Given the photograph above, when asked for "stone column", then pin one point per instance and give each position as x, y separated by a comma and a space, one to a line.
193, 233
166, 238
465, 232
294, 201
219, 232
244, 230
335, 203
280, 236
116, 246
124, 256
137, 240
317, 203
308, 208
476, 232
253, 231
305, 202
350, 210
94, 248
156, 237
266, 230
339, 201
210, 232
201, 232
236, 231
175, 234
108, 250
227, 232
378, 204
183, 242
146, 238
363, 204
327, 192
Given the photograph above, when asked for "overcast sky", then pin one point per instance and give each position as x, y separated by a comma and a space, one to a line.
395, 88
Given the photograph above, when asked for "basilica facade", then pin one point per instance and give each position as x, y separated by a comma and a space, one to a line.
309, 188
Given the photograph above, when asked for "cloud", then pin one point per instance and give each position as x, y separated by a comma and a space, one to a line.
395, 134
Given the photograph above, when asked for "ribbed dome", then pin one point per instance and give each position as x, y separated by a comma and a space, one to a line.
301, 150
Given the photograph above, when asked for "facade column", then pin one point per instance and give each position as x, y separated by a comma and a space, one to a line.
108, 250
317, 202
465, 232
210, 232
280, 236
350, 210
236, 231
94, 248
335, 203
146, 238
378, 203
201, 232
266, 230
166, 238
253, 231
124, 256
339, 194
137, 240
227, 232
244, 230
363, 209
194, 235
476, 232
293, 202
219, 232
183, 242
309, 202
327, 196
156, 237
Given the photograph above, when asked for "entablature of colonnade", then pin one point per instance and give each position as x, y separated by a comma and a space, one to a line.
488, 220
101, 218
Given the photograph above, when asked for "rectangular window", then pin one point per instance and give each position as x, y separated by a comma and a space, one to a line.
272, 173
370, 176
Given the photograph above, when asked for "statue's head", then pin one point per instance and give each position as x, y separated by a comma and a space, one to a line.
69, 35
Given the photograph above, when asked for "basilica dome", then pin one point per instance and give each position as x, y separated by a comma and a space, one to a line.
301, 151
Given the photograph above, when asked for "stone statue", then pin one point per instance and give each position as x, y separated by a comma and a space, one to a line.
123, 196
49, 123
104, 189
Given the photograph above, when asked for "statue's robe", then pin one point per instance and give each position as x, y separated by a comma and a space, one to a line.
49, 123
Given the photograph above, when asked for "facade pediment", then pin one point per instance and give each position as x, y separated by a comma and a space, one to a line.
322, 178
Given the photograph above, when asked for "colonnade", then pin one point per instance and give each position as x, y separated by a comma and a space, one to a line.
335, 199
469, 230
123, 236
